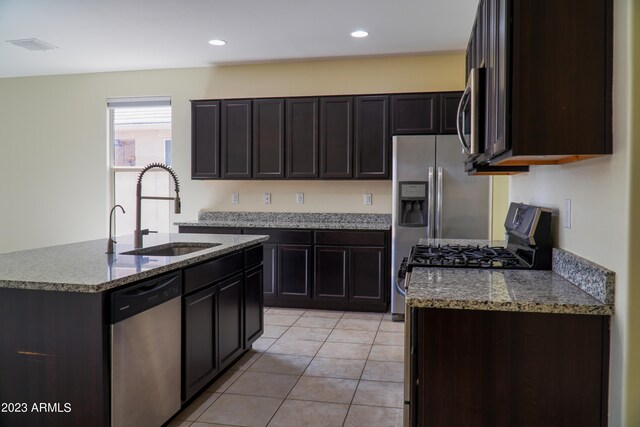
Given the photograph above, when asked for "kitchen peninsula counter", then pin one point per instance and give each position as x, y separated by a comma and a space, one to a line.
85, 267
573, 286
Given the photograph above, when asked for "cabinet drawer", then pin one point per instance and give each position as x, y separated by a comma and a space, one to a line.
282, 236
253, 256
209, 272
368, 238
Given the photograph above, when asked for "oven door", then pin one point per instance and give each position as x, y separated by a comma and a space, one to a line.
470, 118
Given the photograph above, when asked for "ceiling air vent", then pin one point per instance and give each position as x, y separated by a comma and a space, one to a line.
32, 44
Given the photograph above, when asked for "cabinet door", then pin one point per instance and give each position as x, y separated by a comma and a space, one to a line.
268, 138
372, 141
367, 274
414, 114
449, 112
499, 81
294, 272
230, 339
200, 363
331, 273
253, 306
270, 264
302, 137
336, 137
236, 139
205, 139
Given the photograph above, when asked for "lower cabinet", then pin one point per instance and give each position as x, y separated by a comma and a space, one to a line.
324, 269
294, 272
200, 364
253, 306
230, 314
222, 315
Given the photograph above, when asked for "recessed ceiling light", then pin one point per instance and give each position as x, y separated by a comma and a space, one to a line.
217, 42
32, 44
359, 34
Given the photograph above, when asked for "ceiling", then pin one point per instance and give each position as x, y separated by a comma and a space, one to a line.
115, 35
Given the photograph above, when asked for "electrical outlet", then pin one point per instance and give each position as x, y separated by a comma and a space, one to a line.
235, 198
567, 213
267, 198
299, 198
368, 199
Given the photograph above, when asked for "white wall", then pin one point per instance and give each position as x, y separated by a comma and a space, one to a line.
601, 194
53, 169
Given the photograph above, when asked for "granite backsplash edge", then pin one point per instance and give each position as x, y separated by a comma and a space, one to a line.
597, 281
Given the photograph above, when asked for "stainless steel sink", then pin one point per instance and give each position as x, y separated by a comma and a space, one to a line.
172, 249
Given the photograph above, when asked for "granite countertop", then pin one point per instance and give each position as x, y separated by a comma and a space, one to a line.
543, 291
291, 220
84, 266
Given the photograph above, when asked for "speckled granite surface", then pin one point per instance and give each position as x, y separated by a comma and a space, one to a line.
325, 221
84, 266
502, 290
592, 278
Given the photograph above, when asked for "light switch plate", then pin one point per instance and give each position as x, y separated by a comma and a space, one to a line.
299, 198
267, 198
235, 198
368, 199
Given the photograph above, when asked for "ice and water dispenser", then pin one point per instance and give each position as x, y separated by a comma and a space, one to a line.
413, 203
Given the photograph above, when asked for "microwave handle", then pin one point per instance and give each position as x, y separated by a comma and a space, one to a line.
463, 102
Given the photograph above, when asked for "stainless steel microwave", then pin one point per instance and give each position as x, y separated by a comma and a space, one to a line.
470, 118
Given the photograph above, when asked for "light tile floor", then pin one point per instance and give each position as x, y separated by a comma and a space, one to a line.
310, 368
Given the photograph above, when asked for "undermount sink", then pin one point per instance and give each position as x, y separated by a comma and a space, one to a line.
172, 249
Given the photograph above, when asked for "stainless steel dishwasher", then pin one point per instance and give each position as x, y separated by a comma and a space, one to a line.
146, 324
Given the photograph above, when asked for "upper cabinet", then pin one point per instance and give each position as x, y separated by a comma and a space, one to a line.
372, 142
336, 137
330, 137
268, 138
548, 80
302, 138
236, 139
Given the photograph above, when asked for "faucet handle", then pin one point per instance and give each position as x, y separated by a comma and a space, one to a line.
146, 231
153, 231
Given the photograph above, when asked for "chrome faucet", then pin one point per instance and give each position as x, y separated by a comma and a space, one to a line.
138, 233
112, 220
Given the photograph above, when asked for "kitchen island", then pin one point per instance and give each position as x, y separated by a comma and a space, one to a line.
509, 347
55, 317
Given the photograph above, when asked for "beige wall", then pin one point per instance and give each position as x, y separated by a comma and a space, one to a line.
605, 201
53, 171
499, 205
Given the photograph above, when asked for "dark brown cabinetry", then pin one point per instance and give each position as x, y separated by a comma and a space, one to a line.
253, 305
236, 139
324, 269
448, 112
331, 137
509, 368
336, 137
268, 138
372, 142
302, 138
200, 363
222, 315
205, 140
548, 80
414, 114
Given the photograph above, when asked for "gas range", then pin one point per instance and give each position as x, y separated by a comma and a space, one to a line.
529, 246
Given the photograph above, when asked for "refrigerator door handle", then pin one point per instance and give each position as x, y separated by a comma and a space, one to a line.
430, 207
439, 204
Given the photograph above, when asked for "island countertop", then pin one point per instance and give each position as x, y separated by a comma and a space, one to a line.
543, 291
85, 267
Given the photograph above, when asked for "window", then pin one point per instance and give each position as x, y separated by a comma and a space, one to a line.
140, 133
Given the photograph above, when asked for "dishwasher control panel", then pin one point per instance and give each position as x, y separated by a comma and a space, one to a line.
144, 296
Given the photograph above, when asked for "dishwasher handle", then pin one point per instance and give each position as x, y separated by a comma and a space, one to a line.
145, 295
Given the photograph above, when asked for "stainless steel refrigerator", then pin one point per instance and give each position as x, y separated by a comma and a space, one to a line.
433, 197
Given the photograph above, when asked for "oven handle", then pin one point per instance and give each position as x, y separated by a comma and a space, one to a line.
400, 287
